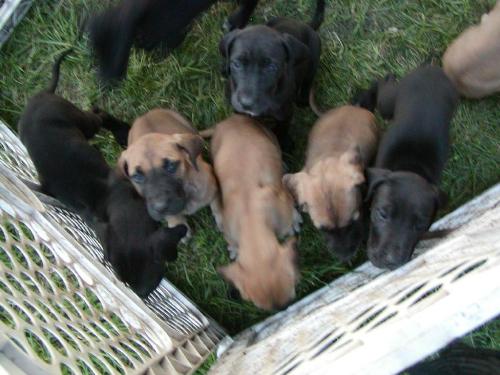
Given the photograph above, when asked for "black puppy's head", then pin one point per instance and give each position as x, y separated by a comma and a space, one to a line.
259, 62
403, 206
135, 245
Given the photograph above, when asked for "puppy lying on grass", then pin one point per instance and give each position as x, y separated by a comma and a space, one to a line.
164, 163
403, 187
56, 134
330, 187
254, 211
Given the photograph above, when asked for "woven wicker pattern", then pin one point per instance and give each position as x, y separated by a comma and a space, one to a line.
344, 321
55, 308
13, 155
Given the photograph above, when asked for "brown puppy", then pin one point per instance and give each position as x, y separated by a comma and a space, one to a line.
163, 160
254, 210
341, 144
472, 60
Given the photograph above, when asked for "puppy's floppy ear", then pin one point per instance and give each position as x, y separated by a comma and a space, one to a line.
190, 144
164, 242
225, 49
295, 49
375, 178
122, 165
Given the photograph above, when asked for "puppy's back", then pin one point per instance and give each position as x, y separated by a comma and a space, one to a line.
340, 129
243, 149
419, 133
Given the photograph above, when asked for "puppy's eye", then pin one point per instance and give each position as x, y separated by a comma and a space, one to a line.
271, 67
138, 177
236, 65
170, 166
380, 215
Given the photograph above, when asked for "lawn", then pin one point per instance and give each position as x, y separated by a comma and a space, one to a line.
362, 39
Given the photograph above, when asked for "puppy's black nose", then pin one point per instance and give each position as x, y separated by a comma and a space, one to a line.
246, 101
158, 206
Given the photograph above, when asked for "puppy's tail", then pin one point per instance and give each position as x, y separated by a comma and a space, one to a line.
313, 104
207, 133
319, 15
55, 71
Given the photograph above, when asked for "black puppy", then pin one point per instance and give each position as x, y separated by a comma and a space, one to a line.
56, 134
148, 24
269, 67
403, 186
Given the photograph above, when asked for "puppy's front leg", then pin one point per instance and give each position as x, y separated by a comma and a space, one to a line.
173, 221
119, 128
216, 208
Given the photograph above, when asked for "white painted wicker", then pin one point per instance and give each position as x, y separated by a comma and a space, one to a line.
11, 13
61, 304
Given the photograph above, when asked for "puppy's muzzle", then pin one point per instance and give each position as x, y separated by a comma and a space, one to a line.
158, 209
165, 196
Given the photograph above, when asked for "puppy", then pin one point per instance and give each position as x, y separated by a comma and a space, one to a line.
148, 24
471, 61
403, 188
269, 67
164, 163
329, 187
56, 134
254, 210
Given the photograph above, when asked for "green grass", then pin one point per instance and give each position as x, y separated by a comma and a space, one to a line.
362, 39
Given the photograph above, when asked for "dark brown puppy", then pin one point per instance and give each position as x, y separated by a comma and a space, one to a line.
148, 24
403, 188
56, 134
270, 67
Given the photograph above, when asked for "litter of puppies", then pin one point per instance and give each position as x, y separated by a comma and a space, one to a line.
357, 184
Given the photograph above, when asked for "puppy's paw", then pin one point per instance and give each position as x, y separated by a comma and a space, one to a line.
121, 137
233, 252
96, 110
189, 234
227, 26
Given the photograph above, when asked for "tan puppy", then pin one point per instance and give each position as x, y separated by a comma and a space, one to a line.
163, 160
342, 142
472, 60
254, 211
